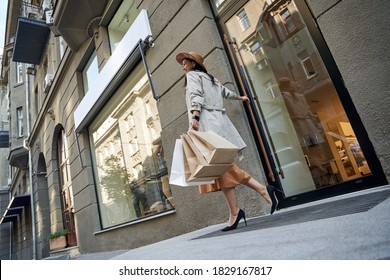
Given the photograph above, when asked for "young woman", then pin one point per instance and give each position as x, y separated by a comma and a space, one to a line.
204, 99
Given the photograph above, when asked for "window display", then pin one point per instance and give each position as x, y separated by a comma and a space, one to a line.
295, 103
128, 157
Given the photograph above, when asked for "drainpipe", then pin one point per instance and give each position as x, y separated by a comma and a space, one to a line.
30, 168
10, 242
10, 230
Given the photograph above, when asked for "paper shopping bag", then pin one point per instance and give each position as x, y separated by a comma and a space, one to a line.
198, 167
213, 147
178, 175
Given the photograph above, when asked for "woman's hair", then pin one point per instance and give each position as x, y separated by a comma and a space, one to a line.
198, 67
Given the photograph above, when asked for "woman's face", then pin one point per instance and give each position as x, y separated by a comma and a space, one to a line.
188, 65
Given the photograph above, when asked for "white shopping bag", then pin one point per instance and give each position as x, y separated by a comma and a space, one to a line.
178, 175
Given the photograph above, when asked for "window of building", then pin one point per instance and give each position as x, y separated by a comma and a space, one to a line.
62, 46
258, 55
36, 102
262, 33
63, 159
243, 20
65, 184
121, 22
287, 21
90, 72
219, 5
19, 115
130, 121
19, 72
128, 161
269, 89
307, 64
148, 109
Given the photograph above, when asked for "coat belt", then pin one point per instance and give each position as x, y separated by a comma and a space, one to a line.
213, 108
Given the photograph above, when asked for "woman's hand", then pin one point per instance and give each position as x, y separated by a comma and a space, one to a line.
195, 120
195, 124
242, 98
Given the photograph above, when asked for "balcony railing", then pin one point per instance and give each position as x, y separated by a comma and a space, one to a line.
32, 11
32, 33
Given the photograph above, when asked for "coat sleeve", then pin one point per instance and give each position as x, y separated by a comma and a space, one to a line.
227, 93
195, 91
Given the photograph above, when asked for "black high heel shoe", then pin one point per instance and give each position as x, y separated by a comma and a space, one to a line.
275, 202
240, 215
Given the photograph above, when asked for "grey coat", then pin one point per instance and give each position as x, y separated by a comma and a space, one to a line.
202, 95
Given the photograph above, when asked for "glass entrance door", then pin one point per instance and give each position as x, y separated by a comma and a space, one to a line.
311, 141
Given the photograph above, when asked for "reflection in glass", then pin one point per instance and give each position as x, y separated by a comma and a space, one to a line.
219, 5
128, 157
308, 131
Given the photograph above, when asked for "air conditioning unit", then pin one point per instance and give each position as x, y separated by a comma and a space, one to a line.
49, 17
47, 83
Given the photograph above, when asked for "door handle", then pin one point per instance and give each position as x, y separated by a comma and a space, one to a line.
252, 116
307, 160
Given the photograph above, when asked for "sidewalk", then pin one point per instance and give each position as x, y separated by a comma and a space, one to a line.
353, 226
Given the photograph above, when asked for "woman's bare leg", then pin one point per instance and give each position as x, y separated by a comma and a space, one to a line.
231, 198
261, 189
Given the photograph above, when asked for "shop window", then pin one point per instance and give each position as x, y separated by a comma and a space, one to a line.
243, 20
19, 114
128, 157
90, 72
121, 22
312, 140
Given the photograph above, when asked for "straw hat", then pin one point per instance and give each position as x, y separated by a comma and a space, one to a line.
191, 55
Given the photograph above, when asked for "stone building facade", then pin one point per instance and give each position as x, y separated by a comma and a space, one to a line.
96, 103
5, 229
